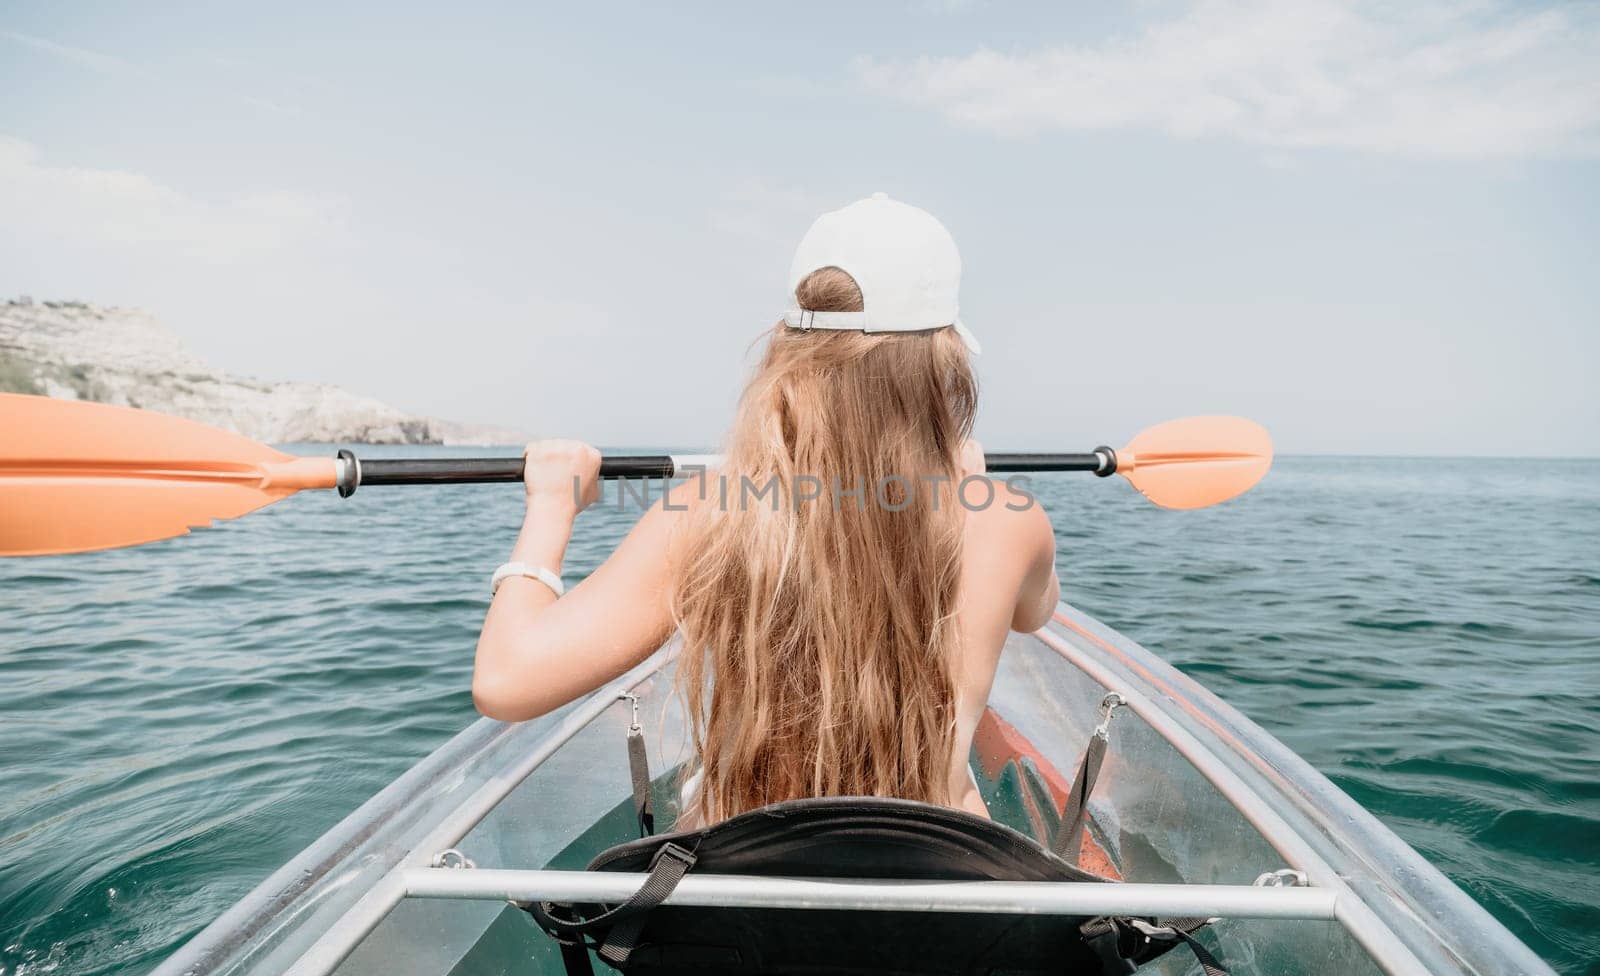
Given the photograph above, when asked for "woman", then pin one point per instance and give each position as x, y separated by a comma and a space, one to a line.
844, 584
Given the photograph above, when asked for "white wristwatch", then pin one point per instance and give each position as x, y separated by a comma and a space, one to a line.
532, 572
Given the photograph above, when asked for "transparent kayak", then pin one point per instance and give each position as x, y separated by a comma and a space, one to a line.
1197, 809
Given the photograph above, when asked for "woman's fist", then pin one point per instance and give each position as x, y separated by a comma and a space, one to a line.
561, 473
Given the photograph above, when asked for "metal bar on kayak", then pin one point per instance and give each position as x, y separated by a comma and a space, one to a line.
1007, 897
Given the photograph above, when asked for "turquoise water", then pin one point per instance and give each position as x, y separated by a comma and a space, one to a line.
177, 720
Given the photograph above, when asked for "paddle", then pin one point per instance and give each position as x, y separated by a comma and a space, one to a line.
78, 476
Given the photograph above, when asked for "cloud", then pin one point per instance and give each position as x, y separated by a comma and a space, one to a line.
82, 57
1434, 79
104, 207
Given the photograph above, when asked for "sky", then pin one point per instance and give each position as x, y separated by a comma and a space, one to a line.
1371, 227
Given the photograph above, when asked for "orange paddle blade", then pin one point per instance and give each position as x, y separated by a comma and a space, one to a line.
1196, 461
77, 476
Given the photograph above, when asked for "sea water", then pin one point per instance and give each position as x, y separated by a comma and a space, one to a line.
177, 720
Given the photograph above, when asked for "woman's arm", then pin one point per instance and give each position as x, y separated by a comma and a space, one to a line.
537, 653
1041, 590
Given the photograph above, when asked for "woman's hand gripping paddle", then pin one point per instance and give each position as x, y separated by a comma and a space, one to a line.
78, 476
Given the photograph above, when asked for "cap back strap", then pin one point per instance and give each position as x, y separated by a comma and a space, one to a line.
805, 318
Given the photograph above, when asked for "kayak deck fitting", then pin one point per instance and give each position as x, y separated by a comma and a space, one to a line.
1201, 813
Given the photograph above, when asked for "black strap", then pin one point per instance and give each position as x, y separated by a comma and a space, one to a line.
625, 921
1068, 841
1105, 937
639, 770
574, 947
1208, 962
1117, 941
670, 865
575, 957
1180, 929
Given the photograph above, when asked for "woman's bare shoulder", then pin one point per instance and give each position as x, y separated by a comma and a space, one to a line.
1007, 516
1011, 554
1008, 543
667, 519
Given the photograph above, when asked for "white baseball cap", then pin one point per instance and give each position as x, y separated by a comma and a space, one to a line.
903, 260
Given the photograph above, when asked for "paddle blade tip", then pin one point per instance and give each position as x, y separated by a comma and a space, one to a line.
77, 476
43, 516
17, 544
1197, 462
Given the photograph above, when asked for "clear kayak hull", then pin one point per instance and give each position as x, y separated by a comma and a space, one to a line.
1191, 793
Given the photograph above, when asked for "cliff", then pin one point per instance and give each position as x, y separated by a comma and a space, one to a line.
125, 356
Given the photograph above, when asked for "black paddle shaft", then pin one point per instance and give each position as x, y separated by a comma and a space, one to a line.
466, 471
437, 471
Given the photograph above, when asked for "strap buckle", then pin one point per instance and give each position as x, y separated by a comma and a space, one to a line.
1108, 707
632, 699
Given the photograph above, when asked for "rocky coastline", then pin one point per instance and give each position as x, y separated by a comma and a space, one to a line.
76, 350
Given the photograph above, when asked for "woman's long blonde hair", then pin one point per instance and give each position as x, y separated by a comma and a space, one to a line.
818, 635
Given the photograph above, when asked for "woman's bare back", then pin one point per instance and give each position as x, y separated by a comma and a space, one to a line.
537, 652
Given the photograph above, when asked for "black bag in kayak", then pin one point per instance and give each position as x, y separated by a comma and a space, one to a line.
859, 838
